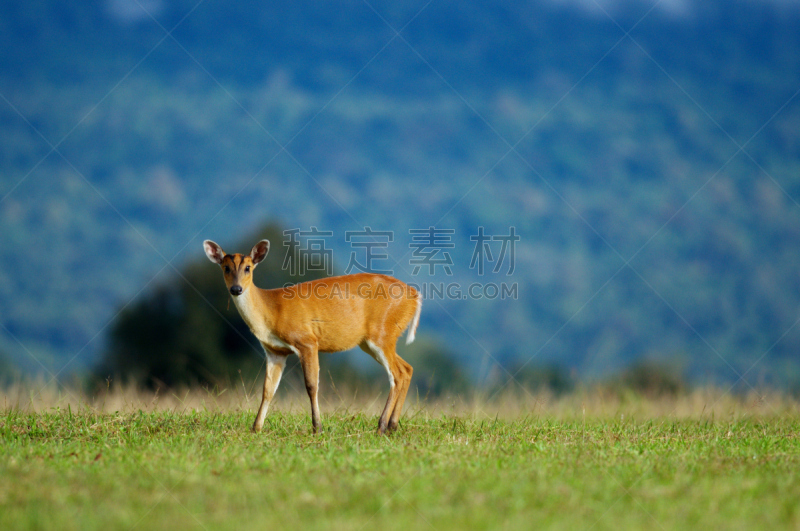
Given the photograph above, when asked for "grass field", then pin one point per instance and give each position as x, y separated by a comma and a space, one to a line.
587, 461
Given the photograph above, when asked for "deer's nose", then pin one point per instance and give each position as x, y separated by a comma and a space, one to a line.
236, 290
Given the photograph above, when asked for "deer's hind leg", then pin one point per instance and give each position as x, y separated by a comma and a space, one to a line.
404, 371
398, 384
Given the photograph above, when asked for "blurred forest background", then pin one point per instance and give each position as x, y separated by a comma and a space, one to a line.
646, 153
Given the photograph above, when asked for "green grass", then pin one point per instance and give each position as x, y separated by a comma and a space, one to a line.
67, 469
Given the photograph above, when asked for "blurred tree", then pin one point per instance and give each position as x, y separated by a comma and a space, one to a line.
185, 332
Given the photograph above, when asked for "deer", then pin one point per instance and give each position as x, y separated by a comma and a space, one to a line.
327, 315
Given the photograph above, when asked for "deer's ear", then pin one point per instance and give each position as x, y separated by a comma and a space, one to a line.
259, 251
213, 251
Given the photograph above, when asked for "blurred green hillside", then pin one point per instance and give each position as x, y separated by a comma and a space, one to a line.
654, 178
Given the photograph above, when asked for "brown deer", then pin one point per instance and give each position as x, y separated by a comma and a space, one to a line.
326, 315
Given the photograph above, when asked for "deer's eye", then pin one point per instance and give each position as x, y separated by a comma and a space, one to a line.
227, 270
246, 269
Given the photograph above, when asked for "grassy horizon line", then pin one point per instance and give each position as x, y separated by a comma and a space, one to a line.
583, 401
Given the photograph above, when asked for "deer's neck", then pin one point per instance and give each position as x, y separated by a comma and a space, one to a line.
256, 311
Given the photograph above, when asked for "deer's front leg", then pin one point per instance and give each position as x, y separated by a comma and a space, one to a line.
275, 365
309, 359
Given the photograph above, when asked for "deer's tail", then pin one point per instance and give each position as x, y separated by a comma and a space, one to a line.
412, 330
